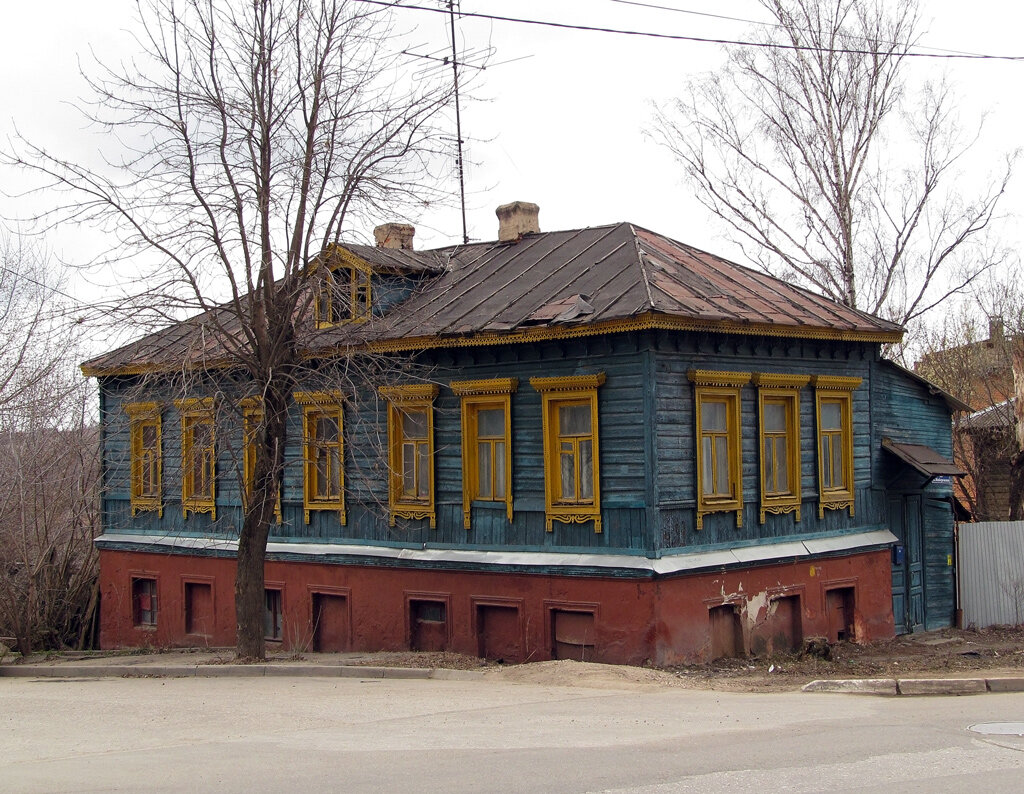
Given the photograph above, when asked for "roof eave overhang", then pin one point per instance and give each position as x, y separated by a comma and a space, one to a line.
641, 322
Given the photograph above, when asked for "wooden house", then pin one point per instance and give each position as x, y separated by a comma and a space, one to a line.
611, 446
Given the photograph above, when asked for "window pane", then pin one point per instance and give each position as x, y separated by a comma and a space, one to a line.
769, 465
707, 466
781, 466
826, 461
326, 428
574, 420
149, 436
335, 478
499, 469
722, 465
409, 469
837, 463
484, 473
414, 424
490, 423
423, 474
586, 448
831, 416
568, 469
712, 416
774, 417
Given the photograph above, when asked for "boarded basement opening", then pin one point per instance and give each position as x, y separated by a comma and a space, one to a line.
428, 625
498, 633
330, 623
572, 635
198, 608
785, 629
726, 632
839, 607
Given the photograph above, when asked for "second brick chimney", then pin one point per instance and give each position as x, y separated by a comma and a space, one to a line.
394, 235
517, 219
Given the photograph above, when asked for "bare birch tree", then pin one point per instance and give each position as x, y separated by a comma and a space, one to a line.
252, 135
825, 169
49, 461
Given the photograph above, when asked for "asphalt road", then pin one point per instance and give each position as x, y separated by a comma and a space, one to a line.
351, 735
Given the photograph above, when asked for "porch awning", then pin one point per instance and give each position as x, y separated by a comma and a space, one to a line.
923, 459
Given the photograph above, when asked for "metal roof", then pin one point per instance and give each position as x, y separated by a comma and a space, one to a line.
580, 281
923, 458
1001, 415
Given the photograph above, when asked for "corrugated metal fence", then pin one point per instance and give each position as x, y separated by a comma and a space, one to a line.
992, 573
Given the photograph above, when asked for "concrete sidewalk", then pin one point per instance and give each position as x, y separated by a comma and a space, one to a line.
213, 663
219, 663
978, 685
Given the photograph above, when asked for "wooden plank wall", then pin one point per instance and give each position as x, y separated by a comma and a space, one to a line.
903, 409
676, 445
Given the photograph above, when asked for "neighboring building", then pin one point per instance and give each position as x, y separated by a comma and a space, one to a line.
615, 447
984, 440
984, 444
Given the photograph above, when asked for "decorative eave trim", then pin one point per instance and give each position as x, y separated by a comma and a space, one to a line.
709, 377
568, 382
836, 382
337, 255
334, 398
416, 392
142, 410
643, 322
195, 405
489, 386
778, 380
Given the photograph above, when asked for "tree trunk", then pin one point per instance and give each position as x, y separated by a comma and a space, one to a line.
252, 540
1017, 461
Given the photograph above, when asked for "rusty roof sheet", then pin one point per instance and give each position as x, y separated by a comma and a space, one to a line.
596, 275
923, 459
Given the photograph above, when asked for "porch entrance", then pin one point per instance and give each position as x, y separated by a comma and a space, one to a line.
908, 592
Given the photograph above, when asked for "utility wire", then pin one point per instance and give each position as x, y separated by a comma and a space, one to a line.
699, 39
758, 22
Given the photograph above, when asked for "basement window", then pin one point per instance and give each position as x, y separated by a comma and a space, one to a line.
272, 615
144, 602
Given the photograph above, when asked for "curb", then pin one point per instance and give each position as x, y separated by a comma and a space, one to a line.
236, 671
916, 686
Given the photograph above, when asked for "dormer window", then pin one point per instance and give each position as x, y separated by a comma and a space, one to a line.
344, 296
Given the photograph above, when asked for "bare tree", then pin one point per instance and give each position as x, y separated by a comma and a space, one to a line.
253, 134
49, 463
826, 170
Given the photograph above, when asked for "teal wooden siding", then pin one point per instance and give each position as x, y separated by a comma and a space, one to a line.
622, 459
675, 438
904, 410
647, 452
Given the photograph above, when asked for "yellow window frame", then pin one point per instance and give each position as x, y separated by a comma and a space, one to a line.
198, 497
481, 395
252, 417
402, 401
775, 389
142, 415
836, 390
716, 387
317, 405
556, 393
360, 298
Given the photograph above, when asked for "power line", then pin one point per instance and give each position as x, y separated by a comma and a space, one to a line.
698, 39
758, 22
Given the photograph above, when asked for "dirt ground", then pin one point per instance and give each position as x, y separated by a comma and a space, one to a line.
949, 653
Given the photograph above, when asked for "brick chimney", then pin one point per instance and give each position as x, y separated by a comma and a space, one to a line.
394, 235
517, 219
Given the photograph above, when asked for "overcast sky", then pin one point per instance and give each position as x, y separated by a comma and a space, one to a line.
561, 123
